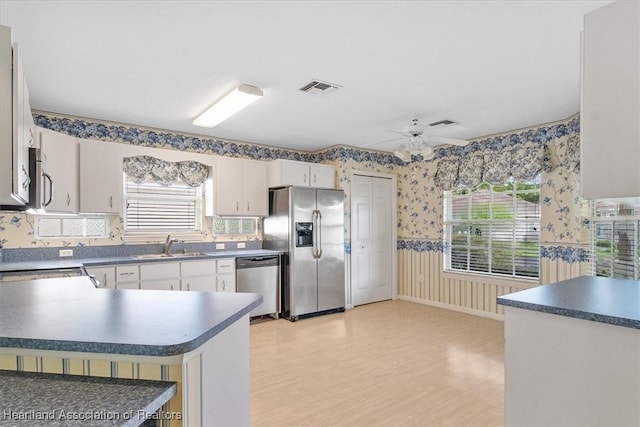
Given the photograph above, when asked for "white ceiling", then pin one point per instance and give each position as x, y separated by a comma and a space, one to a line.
492, 65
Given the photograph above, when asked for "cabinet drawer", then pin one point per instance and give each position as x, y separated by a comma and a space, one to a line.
127, 273
227, 265
165, 270
198, 268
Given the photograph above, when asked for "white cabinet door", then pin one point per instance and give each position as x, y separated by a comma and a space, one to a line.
160, 276
282, 172
294, 173
161, 285
106, 276
254, 188
16, 131
126, 286
61, 151
100, 177
239, 188
322, 176
201, 283
198, 268
227, 186
610, 111
226, 283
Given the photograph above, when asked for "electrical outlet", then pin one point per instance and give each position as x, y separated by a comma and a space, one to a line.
65, 252
219, 246
241, 245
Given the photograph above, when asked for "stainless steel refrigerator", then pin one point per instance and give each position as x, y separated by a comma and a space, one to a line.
308, 225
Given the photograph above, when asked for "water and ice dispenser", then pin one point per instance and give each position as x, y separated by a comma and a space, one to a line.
304, 234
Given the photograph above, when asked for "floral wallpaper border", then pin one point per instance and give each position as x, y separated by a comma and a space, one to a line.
565, 253
146, 137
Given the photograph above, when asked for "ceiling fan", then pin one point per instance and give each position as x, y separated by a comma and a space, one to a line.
419, 143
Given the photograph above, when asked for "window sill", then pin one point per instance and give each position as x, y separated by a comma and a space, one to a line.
132, 237
493, 279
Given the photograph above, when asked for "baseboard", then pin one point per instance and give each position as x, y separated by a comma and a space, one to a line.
493, 316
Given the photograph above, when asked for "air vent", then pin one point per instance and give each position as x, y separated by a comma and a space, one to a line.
444, 123
319, 88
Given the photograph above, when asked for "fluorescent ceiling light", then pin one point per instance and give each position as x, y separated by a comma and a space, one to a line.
230, 104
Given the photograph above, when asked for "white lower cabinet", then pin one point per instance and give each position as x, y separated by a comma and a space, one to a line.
160, 276
127, 277
202, 283
105, 276
208, 275
226, 283
198, 275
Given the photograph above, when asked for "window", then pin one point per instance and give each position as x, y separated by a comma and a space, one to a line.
616, 239
152, 207
228, 226
494, 229
71, 226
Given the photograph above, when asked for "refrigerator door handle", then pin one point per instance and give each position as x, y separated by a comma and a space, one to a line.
319, 234
314, 233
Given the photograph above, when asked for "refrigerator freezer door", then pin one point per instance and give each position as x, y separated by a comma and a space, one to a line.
303, 276
331, 290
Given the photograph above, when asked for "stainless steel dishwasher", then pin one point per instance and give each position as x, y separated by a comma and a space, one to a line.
260, 275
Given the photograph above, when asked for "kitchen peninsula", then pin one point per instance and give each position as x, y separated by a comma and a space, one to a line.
572, 353
199, 340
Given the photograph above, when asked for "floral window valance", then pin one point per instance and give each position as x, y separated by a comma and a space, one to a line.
151, 169
523, 163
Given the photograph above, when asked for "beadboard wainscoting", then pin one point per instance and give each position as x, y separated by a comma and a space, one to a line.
422, 279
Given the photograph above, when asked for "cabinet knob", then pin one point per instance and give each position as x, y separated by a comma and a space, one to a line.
224, 285
314, 178
304, 178
237, 206
68, 199
248, 207
110, 201
188, 287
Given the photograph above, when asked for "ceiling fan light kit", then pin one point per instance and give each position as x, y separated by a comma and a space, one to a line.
236, 100
423, 145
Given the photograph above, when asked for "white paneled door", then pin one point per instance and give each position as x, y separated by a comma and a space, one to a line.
371, 239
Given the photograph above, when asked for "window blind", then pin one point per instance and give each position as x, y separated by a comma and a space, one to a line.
494, 229
156, 207
616, 237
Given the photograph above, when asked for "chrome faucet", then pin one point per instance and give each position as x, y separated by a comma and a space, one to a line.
167, 244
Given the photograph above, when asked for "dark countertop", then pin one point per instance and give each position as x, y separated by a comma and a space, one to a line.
599, 299
70, 314
96, 262
27, 397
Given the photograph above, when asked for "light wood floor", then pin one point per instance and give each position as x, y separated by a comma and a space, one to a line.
393, 363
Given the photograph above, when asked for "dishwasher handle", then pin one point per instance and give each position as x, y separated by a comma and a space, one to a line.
257, 262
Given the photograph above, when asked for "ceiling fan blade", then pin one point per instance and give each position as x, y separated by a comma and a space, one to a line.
388, 140
396, 131
445, 140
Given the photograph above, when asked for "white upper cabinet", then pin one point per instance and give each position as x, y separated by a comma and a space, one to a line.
60, 189
17, 132
238, 188
290, 172
610, 111
101, 184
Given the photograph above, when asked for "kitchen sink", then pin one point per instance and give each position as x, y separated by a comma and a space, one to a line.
175, 255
